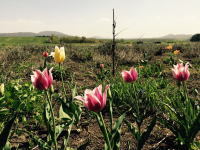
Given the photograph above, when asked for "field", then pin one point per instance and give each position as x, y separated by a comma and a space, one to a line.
153, 112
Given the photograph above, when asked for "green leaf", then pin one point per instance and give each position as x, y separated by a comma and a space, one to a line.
6, 132
146, 134
62, 114
37, 140
7, 146
116, 133
74, 92
195, 128
63, 126
72, 110
68, 134
132, 129
110, 108
48, 121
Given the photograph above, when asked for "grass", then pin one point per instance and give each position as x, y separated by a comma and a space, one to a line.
17, 41
21, 55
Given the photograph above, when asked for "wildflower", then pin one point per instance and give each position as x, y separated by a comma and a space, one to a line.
181, 72
169, 47
130, 76
42, 80
45, 54
59, 54
141, 67
176, 52
94, 100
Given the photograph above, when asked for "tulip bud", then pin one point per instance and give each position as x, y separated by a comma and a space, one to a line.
45, 54
130, 76
101, 66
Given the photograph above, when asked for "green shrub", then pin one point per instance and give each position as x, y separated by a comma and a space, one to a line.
105, 48
195, 38
81, 55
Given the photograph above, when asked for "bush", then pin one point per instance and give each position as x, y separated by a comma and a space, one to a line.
53, 39
81, 55
105, 48
195, 38
69, 39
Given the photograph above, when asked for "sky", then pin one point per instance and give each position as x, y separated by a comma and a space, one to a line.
91, 18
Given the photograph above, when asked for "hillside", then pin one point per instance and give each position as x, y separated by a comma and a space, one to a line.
177, 36
31, 34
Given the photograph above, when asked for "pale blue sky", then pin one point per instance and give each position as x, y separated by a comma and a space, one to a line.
137, 18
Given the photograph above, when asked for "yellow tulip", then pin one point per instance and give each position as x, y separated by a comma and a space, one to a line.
2, 89
59, 54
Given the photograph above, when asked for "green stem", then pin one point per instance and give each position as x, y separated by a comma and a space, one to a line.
111, 114
185, 90
188, 102
137, 104
63, 86
45, 63
69, 132
103, 129
53, 119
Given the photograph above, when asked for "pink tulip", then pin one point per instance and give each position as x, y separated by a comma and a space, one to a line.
42, 80
94, 100
130, 76
181, 72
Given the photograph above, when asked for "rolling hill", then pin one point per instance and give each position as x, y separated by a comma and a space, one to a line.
31, 34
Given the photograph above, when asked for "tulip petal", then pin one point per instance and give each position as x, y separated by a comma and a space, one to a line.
98, 92
126, 76
52, 54
62, 54
48, 76
134, 73
79, 98
93, 103
40, 81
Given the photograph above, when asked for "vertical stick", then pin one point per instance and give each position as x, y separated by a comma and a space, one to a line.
113, 44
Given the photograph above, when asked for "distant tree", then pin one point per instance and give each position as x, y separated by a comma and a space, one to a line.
53, 39
83, 39
139, 42
195, 38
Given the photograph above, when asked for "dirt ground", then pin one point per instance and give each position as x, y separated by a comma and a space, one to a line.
87, 135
